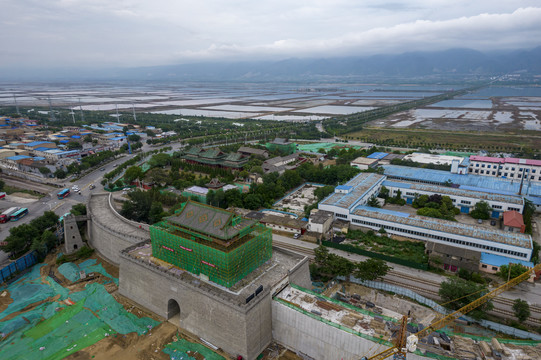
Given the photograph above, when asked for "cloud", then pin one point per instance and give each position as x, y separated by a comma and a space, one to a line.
139, 33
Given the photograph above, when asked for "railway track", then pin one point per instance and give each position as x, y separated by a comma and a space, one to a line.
535, 310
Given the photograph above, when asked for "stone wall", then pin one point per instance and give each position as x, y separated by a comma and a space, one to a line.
239, 330
310, 336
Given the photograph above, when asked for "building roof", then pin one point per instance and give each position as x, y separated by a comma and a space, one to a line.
506, 160
36, 143
249, 150
364, 161
498, 260
451, 191
38, 158
197, 190
210, 220
280, 141
118, 138
513, 219
424, 158
320, 216
471, 182
362, 183
42, 149
377, 155
451, 227
18, 157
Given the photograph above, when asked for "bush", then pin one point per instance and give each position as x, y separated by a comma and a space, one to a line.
84, 252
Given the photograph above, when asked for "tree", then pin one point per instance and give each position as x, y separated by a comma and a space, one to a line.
521, 309
156, 213
78, 209
516, 270
20, 238
373, 202
2, 184
457, 292
72, 145
45, 221
87, 139
134, 138
481, 210
371, 269
60, 174
157, 176
44, 170
133, 173
160, 160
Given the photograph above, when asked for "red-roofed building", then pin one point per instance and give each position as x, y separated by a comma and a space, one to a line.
513, 221
510, 168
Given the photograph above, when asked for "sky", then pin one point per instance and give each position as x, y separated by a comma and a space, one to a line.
130, 33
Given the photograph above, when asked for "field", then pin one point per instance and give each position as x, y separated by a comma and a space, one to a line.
491, 141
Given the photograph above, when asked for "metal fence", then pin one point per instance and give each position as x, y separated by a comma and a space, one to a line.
421, 299
17, 266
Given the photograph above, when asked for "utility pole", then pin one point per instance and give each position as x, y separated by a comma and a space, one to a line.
117, 117
16, 105
81, 108
73, 115
134, 117
51, 112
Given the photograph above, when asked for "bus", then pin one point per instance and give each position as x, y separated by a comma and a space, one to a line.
19, 214
63, 194
6, 215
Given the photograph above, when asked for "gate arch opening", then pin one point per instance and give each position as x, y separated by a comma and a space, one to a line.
173, 312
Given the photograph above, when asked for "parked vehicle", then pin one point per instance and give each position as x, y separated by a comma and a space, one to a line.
92, 187
63, 194
22, 212
6, 215
2, 195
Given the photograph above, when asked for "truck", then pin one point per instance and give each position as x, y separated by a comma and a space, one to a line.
2, 195
6, 215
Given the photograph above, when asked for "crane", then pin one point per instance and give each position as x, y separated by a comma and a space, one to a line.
404, 344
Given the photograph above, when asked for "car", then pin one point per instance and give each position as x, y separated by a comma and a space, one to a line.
92, 187
296, 236
479, 221
126, 189
102, 169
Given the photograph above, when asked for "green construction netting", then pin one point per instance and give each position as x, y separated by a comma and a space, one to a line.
52, 329
180, 350
71, 271
326, 146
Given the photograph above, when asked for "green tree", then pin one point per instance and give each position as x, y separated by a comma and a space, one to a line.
373, 202
516, 270
160, 160
133, 173
60, 174
481, 210
20, 238
44, 170
78, 209
157, 176
2, 184
72, 145
456, 293
87, 139
371, 269
156, 213
45, 221
521, 309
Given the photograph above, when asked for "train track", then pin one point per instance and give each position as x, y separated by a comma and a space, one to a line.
430, 292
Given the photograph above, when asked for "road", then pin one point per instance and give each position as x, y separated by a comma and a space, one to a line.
426, 283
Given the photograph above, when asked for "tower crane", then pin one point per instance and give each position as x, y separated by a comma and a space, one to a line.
404, 344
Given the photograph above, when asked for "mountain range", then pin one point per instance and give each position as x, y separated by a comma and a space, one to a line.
458, 63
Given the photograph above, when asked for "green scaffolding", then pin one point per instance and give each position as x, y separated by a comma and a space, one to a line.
196, 254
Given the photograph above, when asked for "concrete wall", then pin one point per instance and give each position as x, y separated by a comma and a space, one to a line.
312, 337
300, 274
239, 330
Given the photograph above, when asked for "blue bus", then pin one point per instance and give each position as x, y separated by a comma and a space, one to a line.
19, 214
63, 194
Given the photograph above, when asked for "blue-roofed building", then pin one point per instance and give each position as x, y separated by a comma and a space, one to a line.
18, 157
64, 141
349, 203
491, 263
377, 155
37, 144
38, 158
75, 136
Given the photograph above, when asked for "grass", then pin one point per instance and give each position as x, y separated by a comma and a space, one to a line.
459, 140
12, 189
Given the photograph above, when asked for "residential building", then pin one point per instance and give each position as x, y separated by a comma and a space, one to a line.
513, 222
363, 163
509, 168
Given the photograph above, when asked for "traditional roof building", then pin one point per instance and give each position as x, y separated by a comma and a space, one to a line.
211, 242
513, 222
215, 157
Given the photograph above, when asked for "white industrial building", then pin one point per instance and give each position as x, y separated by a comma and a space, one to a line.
348, 202
510, 168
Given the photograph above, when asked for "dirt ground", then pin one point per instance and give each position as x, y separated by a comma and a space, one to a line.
129, 346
